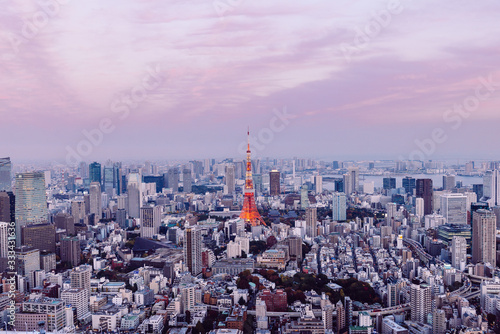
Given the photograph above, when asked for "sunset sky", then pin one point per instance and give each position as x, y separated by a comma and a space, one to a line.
358, 79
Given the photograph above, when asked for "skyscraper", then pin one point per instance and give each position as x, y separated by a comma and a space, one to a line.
134, 189
449, 182
425, 191
409, 184
173, 179
187, 181
420, 301
454, 208
484, 237
7, 206
150, 221
70, 251
95, 172
339, 207
458, 252
274, 183
491, 187
311, 219
351, 180
4, 228
389, 183
95, 200
230, 179
5, 174
419, 208
249, 212
31, 201
109, 180
318, 184
192, 250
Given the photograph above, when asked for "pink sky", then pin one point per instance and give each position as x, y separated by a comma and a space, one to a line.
223, 71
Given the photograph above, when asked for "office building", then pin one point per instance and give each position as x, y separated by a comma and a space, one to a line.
230, 179
187, 181
318, 184
424, 190
389, 183
53, 308
420, 302
311, 222
409, 183
27, 262
458, 252
40, 236
70, 251
65, 222
295, 248
351, 180
454, 208
173, 179
419, 208
192, 250
7, 206
5, 174
31, 201
4, 232
150, 221
491, 187
79, 299
339, 207
95, 200
95, 172
80, 277
134, 189
449, 182
274, 183
108, 181
393, 292
478, 189
484, 237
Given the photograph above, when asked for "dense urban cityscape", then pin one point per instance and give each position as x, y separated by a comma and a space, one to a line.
250, 246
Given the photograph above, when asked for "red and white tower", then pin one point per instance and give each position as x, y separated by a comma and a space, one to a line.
249, 212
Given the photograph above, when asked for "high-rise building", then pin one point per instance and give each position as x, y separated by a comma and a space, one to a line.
341, 320
40, 236
70, 250
66, 222
95, 200
478, 189
109, 181
335, 165
449, 182
419, 208
230, 179
95, 172
295, 248
318, 184
351, 180
339, 207
187, 181
409, 183
83, 170
274, 183
311, 219
150, 221
192, 250
439, 322
454, 208
79, 299
4, 229
420, 301
389, 183
393, 292
327, 317
491, 187
249, 212
484, 237
5, 174
80, 277
304, 197
173, 179
424, 190
31, 201
348, 310
7, 206
458, 252
27, 262
134, 189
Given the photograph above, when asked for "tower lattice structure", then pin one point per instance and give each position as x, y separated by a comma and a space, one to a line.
249, 212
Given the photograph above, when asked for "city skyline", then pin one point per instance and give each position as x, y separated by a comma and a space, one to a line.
202, 73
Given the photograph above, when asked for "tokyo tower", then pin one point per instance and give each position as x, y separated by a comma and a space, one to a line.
249, 212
